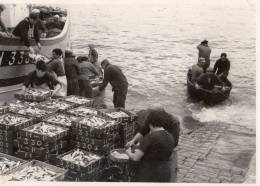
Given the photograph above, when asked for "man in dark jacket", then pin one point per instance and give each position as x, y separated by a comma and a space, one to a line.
221, 67
27, 29
118, 81
72, 73
204, 51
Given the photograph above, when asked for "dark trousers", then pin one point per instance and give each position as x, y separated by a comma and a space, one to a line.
73, 87
85, 89
119, 98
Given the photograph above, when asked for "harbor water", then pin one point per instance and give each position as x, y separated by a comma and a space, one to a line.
155, 44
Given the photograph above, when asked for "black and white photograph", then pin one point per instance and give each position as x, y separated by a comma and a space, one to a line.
128, 91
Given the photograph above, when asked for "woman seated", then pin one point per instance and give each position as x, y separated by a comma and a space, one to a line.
41, 79
154, 151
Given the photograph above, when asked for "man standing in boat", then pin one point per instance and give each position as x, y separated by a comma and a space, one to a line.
204, 51
27, 29
118, 81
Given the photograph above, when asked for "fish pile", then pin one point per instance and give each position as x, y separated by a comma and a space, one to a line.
37, 92
82, 111
61, 119
32, 111
53, 104
45, 129
119, 114
80, 158
7, 164
96, 122
10, 119
119, 155
34, 173
38, 57
77, 100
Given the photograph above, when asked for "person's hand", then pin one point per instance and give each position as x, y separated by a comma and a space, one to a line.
31, 50
197, 86
39, 46
129, 144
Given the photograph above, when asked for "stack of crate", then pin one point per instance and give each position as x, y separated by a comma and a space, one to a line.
95, 134
42, 141
127, 119
81, 165
10, 124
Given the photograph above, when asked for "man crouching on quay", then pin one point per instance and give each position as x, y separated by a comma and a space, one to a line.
118, 81
40, 78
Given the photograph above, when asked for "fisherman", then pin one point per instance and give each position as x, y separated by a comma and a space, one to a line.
155, 149
26, 29
93, 58
221, 67
3, 30
54, 26
118, 81
204, 51
40, 23
72, 73
42, 79
86, 70
197, 69
56, 66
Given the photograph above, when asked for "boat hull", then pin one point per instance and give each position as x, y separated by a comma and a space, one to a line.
209, 97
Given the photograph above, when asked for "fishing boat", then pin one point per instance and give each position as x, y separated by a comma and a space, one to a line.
208, 96
15, 63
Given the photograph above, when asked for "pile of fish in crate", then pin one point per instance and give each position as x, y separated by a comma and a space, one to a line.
66, 132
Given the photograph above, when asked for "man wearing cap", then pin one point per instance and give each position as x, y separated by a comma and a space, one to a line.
118, 81
3, 30
26, 29
40, 24
222, 66
204, 51
72, 73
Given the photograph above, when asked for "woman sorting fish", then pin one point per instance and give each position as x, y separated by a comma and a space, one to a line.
40, 78
155, 149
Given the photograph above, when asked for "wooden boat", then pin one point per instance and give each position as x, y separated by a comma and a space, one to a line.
14, 63
208, 96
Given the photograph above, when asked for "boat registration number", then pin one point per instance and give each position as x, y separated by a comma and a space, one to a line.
12, 58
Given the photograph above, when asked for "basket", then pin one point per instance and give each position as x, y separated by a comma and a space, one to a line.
44, 137
92, 166
11, 158
125, 118
79, 100
56, 105
60, 173
32, 94
61, 120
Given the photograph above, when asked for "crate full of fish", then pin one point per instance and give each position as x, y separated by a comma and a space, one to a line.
7, 163
14, 122
35, 112
56, 105
33, 95
81, 161
37, 171
79, 100
4, 109
60, 119
19, 105
45, 132
82, 111
96, 125
118, 114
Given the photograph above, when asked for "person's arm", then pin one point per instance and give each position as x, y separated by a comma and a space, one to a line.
93, 69
37, 36
135, 139
105, 80
56, 89
215, 67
